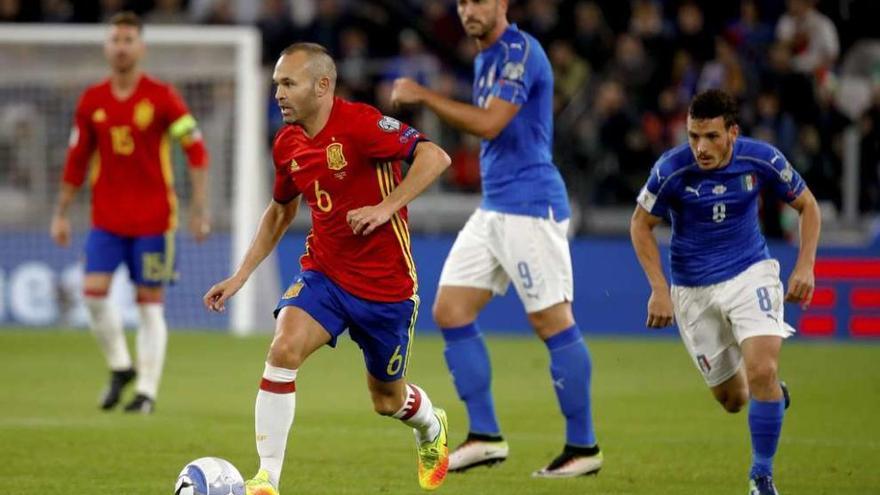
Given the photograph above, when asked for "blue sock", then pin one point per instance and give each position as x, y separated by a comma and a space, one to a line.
765, 424
468, 360
571, 369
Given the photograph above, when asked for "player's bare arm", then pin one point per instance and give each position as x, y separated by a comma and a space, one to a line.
60, 227
429, 161
199, 220
485, 123
274, 223
802, 281
641, 231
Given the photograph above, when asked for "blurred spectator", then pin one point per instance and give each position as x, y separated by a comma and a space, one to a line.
796, 90
749, 34
683, 77
691, 34
20, 11
328, 22
57, 11
225, 11
724, 72
665, 127
810, 37
592, 38
277, 29
648, 25
166, 12
632, 67
869, 197
353, 63
772, 125
624, 150
570, 72
542, 19
443, 23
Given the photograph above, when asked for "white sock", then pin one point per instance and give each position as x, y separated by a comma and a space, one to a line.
273, 417
106, 326
418, 413
152, 337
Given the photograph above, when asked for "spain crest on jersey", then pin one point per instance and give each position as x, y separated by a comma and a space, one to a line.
99, 115
335, 158
143, 114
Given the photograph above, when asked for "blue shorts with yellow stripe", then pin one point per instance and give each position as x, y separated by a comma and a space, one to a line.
383, 331
150, 259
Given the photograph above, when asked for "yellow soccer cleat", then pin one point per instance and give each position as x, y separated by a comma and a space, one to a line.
434, 456
260, 485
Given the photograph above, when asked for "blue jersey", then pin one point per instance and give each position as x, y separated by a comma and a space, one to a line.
516, 167
714, 213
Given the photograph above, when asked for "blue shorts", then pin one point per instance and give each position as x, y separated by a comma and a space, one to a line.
150, 259
383, 331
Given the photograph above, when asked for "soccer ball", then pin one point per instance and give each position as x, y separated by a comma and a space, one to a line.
209, 476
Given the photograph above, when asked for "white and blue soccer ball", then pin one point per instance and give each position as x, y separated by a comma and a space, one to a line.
209, 476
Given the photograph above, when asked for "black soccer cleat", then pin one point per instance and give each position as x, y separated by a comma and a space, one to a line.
574, 461
785, 394
118, 381
141, 404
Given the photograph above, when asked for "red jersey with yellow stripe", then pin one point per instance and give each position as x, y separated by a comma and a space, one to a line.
354, 161
127, 144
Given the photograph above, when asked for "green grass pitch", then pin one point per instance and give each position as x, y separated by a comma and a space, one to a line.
660, 430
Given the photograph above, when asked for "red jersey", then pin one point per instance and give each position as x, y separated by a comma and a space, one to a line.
353, 162
127, 142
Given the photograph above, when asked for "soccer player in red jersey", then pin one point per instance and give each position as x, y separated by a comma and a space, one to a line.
122, 129
357, 271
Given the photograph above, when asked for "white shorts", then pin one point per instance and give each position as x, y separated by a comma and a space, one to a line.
494, 249
714, 320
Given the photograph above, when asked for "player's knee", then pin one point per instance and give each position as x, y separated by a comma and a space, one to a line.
762, 375
449, 315
285, 354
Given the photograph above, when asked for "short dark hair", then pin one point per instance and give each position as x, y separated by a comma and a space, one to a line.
127, 18
714, 103
309, 48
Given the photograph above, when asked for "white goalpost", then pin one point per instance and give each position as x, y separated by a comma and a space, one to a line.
217, 71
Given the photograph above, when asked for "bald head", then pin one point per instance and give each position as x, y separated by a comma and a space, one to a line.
318, 62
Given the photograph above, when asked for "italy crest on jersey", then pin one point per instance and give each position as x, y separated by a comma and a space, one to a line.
335, 158
143, 114
748, 182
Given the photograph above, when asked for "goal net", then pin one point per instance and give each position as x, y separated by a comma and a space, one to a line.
45, 69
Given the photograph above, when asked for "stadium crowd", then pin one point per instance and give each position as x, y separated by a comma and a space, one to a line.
803, 71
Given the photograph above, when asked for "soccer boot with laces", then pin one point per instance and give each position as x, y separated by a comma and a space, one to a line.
478, 450
118, 381
762, 485
574, 461
434, 456
260, 485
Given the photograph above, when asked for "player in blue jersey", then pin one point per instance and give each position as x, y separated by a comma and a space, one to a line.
726, 295
517, 235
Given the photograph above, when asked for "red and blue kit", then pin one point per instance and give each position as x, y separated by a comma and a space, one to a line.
125, 148
354, 161
127, 144
364, 284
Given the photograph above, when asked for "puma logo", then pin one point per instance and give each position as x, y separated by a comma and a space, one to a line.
696, 191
